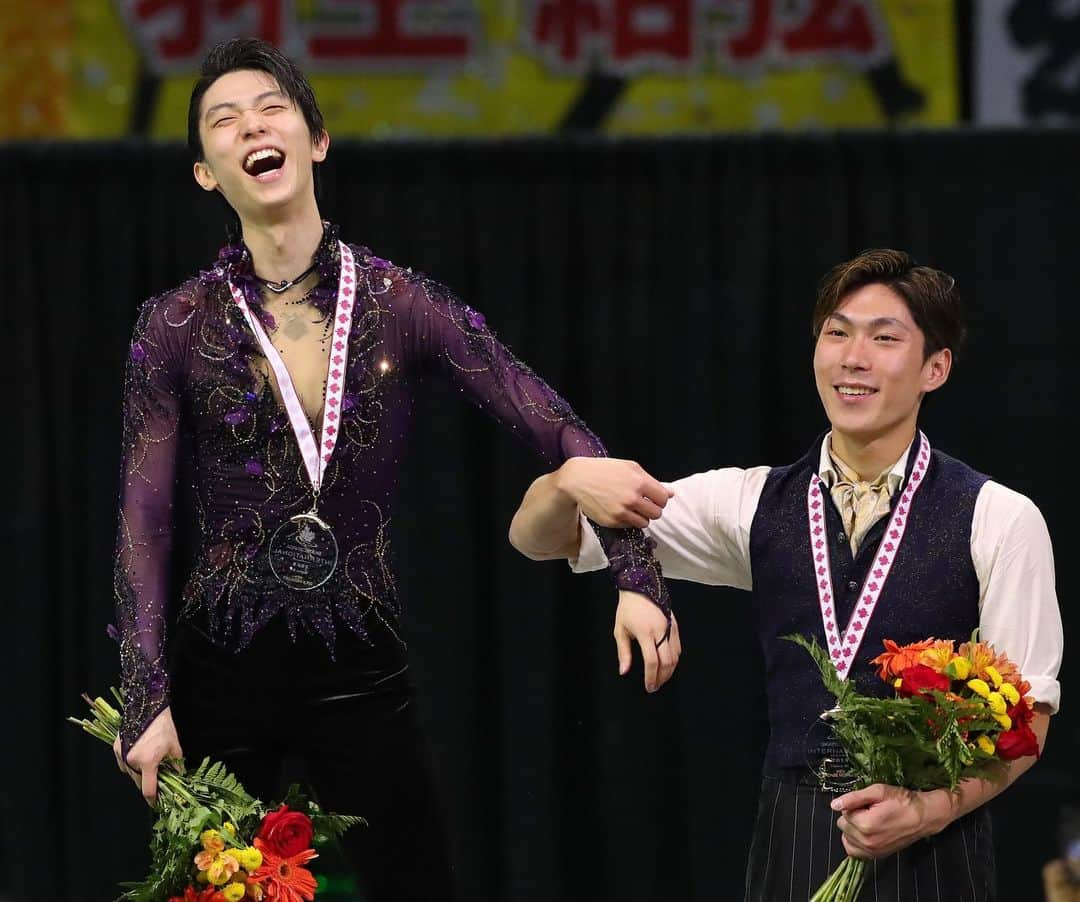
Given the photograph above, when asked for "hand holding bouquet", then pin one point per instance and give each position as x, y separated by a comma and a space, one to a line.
958, 713
213, 842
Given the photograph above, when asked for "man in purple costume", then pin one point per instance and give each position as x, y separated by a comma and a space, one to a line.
870, 514
290, 366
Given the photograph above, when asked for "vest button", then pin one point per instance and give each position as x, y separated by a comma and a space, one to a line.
853, 586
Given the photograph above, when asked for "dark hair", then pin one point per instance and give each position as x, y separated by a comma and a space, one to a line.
251, 53
929, 294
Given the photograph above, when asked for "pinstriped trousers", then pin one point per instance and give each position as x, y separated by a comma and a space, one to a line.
796, 845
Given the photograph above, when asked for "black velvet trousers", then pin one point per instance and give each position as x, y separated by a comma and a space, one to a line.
347, 730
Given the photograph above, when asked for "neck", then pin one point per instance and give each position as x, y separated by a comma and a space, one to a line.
869, 457
283, 250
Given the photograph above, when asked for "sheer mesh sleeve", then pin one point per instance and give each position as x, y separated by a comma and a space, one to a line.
454, 339
151, 418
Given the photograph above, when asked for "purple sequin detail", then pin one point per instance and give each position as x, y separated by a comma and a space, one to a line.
475, 318
253, 468
379, 262
138, 353
348, 402
250, 397
236, 417
112, 632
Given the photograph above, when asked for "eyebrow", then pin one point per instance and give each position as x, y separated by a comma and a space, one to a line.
875, 323
229, 104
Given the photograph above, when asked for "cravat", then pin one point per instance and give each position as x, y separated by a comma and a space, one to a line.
861, 503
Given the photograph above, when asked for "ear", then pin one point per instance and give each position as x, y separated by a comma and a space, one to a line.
205, 177
936, 370
320, 147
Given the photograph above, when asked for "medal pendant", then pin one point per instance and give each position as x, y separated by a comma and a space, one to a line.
303, 552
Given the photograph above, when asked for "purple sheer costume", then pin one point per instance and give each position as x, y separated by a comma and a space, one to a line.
195, 366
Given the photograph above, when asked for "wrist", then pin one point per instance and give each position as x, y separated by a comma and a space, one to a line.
564, 481
939, 810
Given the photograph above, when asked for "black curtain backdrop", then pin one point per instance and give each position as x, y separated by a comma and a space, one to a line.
665, 288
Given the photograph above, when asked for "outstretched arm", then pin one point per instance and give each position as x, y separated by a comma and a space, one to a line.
438, 332
609, 491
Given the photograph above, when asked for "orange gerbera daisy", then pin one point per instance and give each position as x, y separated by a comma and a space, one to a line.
896, 658
285, 879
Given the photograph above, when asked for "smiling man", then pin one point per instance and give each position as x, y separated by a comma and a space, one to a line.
972, 554
291, 365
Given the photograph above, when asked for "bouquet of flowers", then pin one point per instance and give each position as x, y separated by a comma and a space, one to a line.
957, 713
213, 842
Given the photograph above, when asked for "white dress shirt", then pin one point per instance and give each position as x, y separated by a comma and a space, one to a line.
704, 536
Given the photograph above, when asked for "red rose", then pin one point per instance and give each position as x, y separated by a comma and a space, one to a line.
1019, 742
286, 833
920, 678
1020, 713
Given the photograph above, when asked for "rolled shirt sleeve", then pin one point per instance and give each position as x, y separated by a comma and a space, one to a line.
1018, 605
703, 534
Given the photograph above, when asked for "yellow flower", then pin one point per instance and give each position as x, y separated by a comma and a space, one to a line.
995, 677
958, 668
985, 744
979, 687
898, 682
211, 841
996, 703
230, 827
1009, 691
250, 858
1004, 720
234, 892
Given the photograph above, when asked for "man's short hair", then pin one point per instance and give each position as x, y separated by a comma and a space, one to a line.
250, 53
929, 294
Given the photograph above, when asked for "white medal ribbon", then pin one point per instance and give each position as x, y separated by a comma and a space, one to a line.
844, 646
315, 458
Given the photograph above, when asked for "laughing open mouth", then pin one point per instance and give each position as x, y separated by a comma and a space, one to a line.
261, 161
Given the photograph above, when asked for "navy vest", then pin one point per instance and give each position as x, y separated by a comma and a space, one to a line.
932, 589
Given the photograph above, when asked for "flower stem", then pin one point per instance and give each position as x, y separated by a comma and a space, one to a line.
844, 884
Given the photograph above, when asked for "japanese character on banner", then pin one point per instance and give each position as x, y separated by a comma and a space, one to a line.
391, 31
173, 35
755, 34
615, 35
773, 32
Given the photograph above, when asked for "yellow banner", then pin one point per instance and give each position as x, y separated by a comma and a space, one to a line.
383, 68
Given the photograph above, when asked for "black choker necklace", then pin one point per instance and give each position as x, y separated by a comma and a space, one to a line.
285, 284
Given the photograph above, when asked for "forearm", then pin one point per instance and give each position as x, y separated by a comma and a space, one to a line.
943, 807
546, 526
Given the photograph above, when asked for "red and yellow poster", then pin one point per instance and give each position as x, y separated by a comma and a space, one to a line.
384, 68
